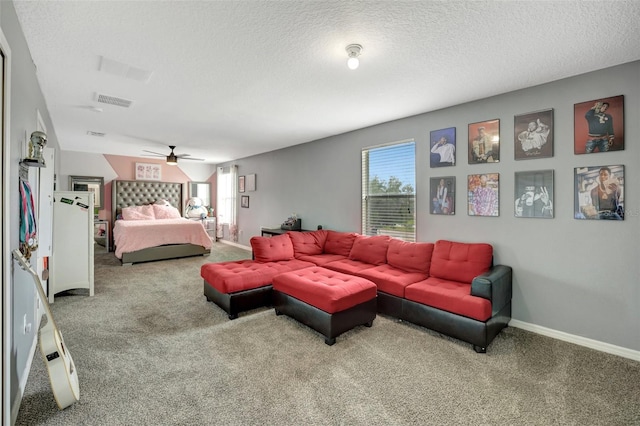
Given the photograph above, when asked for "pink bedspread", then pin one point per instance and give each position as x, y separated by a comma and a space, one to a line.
133, 235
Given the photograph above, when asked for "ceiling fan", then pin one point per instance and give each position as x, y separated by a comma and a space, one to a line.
172, 158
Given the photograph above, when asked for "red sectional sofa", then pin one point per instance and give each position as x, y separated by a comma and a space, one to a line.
449, 287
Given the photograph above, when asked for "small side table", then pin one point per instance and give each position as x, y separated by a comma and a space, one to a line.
101, 232
209, 224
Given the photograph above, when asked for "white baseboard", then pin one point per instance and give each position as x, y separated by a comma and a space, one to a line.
231, 243
578, 340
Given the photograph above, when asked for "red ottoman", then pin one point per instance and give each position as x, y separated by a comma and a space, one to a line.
329, 302
238, 286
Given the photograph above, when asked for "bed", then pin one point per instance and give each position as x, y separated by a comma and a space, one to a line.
191, 240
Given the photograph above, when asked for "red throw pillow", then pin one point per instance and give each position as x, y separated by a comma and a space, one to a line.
371, 250
410, 257
308, 243
460, 262
272, 249
339, 242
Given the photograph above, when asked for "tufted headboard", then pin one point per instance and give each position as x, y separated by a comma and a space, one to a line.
127, 193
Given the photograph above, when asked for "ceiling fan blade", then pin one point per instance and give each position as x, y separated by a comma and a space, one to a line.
156, 153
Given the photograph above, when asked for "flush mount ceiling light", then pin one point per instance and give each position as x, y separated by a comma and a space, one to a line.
353, 50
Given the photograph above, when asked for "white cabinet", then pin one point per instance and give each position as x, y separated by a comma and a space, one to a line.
72, 259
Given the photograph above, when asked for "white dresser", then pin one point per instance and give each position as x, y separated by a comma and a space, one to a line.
72, 255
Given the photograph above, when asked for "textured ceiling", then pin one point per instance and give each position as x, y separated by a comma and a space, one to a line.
237, 78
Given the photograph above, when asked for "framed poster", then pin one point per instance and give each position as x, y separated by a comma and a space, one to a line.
244, 201
598, 126
443, 147
533, 135
534, 194
240, 183
483, 194
148, 171
599, 192
251, 182
484, 142
443, 195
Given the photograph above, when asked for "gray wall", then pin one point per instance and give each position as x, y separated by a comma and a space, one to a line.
26, 99
574, 276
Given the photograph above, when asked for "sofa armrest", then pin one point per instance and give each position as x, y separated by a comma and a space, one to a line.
494, 285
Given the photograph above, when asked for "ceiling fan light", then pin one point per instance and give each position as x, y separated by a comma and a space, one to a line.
172, 160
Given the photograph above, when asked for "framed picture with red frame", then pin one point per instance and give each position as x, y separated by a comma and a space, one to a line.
598, 125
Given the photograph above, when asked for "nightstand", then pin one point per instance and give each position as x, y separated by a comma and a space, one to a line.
101, 234
209, 224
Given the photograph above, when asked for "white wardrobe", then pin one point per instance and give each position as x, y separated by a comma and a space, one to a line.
72, 258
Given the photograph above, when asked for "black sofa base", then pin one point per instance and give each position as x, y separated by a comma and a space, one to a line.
478, 333
329, 325
234, 303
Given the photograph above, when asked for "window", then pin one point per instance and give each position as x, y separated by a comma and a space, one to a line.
388, 190
226, 202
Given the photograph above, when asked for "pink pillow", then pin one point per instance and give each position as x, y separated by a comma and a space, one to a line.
166, 212
460, 262
308, 243
339, 242
371, 250
272, 249
410, 257
138, 213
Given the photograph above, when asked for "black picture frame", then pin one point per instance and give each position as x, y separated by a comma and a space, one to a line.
597, 129
442, 147
533, 135
533, 194
244, 201
484, 142
483, 194
599, 192
443, 195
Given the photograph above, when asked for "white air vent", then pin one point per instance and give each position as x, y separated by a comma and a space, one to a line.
112, 100
110, 66
96, 134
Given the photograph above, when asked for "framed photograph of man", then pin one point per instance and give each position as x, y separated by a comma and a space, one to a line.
599, 192
484, 142
483, 194
443, 195
534, 194
443, 147
533, 135
598, 126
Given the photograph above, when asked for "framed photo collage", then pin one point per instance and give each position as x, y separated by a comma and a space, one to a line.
598, 190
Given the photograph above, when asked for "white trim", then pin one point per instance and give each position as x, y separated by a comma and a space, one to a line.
231, 243
578, 340
6, 312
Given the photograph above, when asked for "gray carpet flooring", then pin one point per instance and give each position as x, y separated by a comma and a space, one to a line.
150, 350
